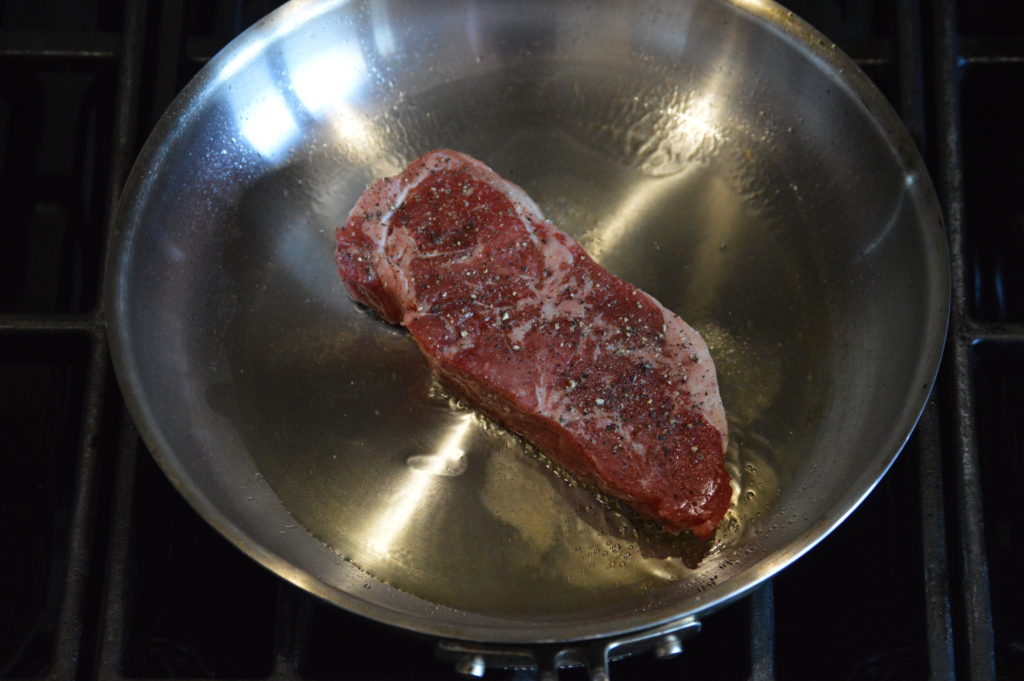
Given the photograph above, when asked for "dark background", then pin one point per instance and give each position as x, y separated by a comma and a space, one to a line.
105, 573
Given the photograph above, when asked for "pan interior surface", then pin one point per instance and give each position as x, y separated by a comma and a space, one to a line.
704, 151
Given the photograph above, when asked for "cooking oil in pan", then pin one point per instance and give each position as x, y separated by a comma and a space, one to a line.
528, 538
432, 499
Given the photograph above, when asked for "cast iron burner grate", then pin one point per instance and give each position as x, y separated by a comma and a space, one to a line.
107, 574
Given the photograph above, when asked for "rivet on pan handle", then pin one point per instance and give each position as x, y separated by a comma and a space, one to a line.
472, 659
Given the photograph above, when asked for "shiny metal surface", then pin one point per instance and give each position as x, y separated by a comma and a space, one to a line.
721, 155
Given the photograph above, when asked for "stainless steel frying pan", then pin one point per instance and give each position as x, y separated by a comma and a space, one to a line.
720, 154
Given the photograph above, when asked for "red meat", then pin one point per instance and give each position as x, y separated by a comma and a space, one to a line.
515, 316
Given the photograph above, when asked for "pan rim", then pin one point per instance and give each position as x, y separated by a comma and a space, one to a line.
773, 17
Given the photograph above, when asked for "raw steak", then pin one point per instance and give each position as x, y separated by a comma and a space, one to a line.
513, 314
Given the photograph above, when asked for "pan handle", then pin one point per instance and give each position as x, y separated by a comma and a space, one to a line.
473, 659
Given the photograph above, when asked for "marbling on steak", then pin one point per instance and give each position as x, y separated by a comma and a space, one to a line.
515, 316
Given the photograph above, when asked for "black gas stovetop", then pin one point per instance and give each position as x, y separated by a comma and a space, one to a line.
105, 573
